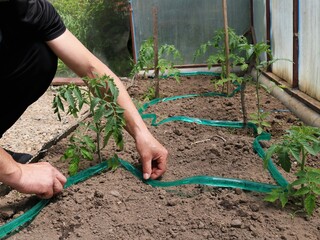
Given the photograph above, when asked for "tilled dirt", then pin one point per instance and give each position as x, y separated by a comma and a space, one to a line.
117, 205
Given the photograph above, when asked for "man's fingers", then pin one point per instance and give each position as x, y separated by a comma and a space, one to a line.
46, 195
146, 168
62, 179
158, 169
57, 186
56, 173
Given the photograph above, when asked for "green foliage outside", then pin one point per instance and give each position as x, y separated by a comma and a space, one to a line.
98, 24
107, 119
297, 146
78, 17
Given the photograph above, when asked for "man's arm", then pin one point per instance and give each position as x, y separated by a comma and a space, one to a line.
79, 59
37, 178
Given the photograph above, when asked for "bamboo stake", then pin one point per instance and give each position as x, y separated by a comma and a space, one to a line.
225, 20
156, 50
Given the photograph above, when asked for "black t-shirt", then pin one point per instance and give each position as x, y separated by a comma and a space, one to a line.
23, 23
35, 19
27, 64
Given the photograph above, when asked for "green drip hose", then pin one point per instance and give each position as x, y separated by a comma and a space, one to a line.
214, 123
193, 73
13, 226
204, 180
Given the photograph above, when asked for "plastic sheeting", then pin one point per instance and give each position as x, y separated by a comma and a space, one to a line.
282, 38
259, 21
309, 71
187, 23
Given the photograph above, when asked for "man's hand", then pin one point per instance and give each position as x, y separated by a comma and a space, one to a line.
153, 156
41, 179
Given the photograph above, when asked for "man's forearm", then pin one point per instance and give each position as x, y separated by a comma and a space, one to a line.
9, 169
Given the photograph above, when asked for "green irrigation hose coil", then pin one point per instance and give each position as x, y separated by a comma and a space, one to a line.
13, 226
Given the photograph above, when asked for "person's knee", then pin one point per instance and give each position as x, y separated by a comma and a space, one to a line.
30, 79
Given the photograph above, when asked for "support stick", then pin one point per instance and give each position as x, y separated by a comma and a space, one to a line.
225, 20
156, 50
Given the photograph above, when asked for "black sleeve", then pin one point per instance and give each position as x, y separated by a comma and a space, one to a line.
41, 16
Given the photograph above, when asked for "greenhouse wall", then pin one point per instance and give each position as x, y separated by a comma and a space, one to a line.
309, 45
298, 59
259, 21
187, 24
282, 38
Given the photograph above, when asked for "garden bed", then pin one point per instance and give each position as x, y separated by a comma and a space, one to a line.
117, 205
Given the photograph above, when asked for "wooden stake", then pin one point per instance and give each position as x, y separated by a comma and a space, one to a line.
156, 50
225, 20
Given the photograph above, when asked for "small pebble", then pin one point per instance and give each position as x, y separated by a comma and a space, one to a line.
254, 207
236, 223
238, 191
98, 194
172, 202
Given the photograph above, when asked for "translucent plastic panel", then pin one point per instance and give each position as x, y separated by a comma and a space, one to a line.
281, 38
187, 23
259, 21
309, 71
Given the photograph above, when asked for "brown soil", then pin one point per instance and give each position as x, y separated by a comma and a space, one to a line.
117, 205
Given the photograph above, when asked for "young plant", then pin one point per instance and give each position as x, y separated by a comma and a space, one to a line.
246, 56
218, 53
297, 146
145, 62
149, 95
236, 58
253, 56
107, 118
260, 119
